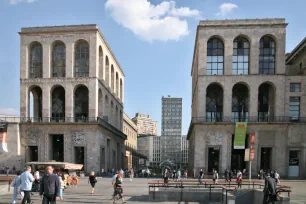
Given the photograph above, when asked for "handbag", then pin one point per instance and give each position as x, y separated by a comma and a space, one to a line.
95, 180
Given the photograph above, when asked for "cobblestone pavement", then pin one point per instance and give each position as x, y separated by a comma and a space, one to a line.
136, 192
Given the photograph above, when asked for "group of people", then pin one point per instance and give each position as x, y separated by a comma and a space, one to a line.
7, 170
50, 186
215, 176
175, 175
274, 174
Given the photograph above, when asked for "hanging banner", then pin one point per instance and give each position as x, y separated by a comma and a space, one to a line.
252, 154
240, 133
3, 137
247, 154
252, 141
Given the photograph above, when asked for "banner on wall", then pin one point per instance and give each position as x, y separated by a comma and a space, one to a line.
3, 137
240, 134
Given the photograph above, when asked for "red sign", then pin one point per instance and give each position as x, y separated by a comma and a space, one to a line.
252, 138
252, 154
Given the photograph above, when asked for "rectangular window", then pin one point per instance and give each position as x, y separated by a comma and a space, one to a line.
294, 108
295, 87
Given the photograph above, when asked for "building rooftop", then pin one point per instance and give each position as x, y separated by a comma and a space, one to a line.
244, 22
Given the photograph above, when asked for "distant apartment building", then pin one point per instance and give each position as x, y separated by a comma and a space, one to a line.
145, 125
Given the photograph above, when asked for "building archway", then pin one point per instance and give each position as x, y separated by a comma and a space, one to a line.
81, 100
58, 104
35, 104
266, 102
240, 103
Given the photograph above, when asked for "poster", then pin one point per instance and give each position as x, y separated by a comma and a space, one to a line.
252, 154
247, 154
3, 137
240, 133
252, 142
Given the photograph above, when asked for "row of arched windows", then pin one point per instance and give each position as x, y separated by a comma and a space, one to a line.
107, 110
81, 63
241, 56
240, 103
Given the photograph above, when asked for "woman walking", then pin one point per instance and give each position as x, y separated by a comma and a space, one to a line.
166, 176
16, 183
62, 184
92, 180
118, 189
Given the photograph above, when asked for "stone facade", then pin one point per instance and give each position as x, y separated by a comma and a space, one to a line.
91, 121
277, 130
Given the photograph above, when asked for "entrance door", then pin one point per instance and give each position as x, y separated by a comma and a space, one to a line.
33, 153
79, 155
58, 147
266, 155
294, 162
213, 159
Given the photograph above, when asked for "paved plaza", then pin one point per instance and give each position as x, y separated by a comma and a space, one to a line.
136, 192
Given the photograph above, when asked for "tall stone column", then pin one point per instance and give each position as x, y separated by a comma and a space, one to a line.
46, 99
24, 101
93, 53
46, 61
69, 102
69, 59
227, 102
93, 98
228, 53
253, 102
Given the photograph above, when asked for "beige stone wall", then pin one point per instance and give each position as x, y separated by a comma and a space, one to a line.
90, 136
130, 129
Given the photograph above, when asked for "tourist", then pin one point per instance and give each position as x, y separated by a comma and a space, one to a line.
226, 175
8, 171
26, 184
185, 174
174, 175
102, 172
62, 186
277, 177
239, 180
113, 171
118, 188
50, 187
269, 190
166, 176
201, 176
114, 181
179, 175
37, 181
15, 184
215, 177
230, 175
92, 180
131, 174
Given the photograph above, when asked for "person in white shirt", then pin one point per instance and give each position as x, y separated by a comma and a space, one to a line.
277, 177
26, 185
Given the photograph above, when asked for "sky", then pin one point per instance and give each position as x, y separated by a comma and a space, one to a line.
153, 41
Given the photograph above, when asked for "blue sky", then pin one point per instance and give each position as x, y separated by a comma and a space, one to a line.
156, 55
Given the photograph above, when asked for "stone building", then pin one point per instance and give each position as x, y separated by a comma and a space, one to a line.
184, 152
145, 125
71, 97
132, 156
240, 73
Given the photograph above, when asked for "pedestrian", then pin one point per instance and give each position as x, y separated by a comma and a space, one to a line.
215, 177
7, 171
194, 173
166, 176
179, 175
230, 175
113, 171
269, 190
26, 184
62, 185
277, 177
114, 181
201, 175
37, 181
92, 180
226, 175
186, 174
121, 172
50, 187
239, 180
15, 184
174, 175
102, 172
131, 174
118, 189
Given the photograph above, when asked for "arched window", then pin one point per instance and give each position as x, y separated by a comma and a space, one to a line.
81, 59
265, 102
58, 103
214, 103
117, 84
36, 60
107, 71
112, 78
241, 54
240, 103
121, 90
267, 55
100, 63
59, 60
215, 57
81, 103
35, 101
100, 104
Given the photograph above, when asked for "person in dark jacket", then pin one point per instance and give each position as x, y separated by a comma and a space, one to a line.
50, 187
269, 190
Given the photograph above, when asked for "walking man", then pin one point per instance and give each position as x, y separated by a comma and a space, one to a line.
269, 190
26, 184
50, 187
201, 175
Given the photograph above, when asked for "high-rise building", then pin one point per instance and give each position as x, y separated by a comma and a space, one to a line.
145, 125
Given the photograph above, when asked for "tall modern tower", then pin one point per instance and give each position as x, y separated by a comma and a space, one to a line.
171, 131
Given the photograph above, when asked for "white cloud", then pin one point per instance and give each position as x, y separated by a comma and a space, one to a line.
8, 111
226, 8
151, 22
19, 1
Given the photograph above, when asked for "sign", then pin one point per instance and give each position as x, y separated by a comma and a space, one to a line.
3, 137
141, 161
247, 154
252, 140
240, 133
252, 154
147, 163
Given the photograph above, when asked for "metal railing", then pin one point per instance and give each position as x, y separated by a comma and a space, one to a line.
51, 119
226, 187
250, 119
